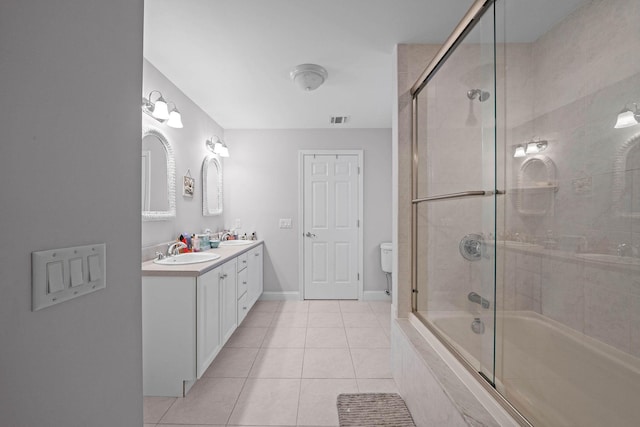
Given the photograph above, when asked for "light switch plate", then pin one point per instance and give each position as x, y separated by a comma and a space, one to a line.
285, 223
83, 272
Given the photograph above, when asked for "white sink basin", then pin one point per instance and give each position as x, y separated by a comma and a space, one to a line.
612, 259
188, 258
236, 242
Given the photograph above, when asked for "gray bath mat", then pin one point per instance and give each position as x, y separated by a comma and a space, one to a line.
373, 409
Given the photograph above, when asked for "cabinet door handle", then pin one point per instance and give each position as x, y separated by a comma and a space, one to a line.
256, 254
244, 261
244, 283
244, 308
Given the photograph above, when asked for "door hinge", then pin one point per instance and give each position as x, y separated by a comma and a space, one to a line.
358, 276
358, 170
358, 223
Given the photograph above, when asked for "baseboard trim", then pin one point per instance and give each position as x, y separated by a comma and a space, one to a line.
280, 296
376, 296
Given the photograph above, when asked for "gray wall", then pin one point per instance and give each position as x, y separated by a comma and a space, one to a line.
189, 147
69, 163
261, 186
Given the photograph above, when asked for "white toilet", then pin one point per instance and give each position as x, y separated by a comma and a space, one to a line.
386, 252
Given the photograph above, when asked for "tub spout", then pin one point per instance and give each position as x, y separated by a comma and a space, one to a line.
474, 297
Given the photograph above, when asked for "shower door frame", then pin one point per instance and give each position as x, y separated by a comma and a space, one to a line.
468, 22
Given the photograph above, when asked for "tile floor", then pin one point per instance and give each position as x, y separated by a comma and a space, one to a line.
285, 366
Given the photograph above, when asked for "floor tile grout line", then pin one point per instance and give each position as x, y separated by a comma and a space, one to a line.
175, 399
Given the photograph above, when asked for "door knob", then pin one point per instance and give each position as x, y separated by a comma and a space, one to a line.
309, 234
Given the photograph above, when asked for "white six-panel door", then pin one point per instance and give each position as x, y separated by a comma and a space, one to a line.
330, 226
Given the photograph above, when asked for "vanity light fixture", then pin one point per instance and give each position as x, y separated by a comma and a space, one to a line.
175, 118
534, 147
531, 147
628, 117
519, 151
159, 110
218, 147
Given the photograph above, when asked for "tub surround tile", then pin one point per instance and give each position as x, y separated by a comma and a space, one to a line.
433, 392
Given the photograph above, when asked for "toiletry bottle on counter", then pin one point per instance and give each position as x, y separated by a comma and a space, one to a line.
195, 242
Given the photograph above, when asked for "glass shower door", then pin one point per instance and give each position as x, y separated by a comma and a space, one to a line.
455, 201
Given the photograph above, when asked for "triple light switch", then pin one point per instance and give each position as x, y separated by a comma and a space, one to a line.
62, 274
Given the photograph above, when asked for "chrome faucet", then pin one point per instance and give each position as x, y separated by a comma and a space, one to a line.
174, 248
225, 235
474, 297
624, 249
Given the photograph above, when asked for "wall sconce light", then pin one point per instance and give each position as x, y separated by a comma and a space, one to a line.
628, 117
534, 147
519, 151
218, 147
159, 110
531, 147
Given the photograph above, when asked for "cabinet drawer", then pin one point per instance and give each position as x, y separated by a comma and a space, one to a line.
242, 282
242, 261
243, 308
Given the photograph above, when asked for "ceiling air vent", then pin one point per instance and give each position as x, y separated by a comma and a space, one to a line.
339, 120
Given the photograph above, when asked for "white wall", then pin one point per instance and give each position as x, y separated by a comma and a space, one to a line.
69, 163
261, 186
189, 147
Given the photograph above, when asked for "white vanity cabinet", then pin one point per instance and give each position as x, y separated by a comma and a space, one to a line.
254, 275
189, 314
228, 288
208, 325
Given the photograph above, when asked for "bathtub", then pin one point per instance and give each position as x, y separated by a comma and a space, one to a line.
550, 373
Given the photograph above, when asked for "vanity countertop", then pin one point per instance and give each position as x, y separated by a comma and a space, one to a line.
149, 268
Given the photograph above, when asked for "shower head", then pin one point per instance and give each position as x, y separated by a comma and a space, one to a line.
478, 93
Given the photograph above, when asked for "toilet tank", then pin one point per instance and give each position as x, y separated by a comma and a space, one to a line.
386, 252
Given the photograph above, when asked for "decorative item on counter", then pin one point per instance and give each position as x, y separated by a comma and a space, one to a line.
214, 243
254, 236
186, 241
244, 237
195, 241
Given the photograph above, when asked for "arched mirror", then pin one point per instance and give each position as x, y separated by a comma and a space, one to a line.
211, 186
536, 186
626, 179
158, 177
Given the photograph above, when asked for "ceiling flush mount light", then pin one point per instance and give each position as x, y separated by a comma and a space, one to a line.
159, 110
628, 117
218, 147
308, 76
